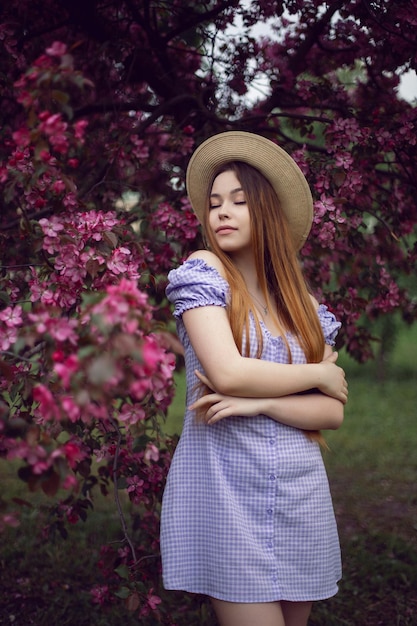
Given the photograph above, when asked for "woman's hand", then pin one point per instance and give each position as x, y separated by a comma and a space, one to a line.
333, 380
214, 407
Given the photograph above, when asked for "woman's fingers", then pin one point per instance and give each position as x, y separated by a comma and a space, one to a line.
205, 401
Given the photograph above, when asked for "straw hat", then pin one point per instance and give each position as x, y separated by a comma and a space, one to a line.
272, 161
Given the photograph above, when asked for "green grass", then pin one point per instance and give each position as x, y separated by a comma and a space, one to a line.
372, 467
173, 424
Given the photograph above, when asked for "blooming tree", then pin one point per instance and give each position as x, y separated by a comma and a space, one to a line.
95, 134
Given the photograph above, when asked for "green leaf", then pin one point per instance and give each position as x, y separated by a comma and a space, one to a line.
123, 572
4, 297
123, 593
60, 96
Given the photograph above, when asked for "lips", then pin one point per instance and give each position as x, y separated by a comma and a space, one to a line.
224, 230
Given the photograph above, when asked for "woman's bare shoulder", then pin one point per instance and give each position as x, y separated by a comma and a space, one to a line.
210, 258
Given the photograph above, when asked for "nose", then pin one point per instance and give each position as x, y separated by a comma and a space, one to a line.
223, 211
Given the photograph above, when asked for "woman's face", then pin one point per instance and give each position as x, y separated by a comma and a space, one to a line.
229, 217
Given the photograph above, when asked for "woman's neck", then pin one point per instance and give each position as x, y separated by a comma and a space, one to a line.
246, 265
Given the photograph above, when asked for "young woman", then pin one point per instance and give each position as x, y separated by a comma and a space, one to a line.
247, 517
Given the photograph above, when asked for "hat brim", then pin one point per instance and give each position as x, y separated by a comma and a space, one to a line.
272, 161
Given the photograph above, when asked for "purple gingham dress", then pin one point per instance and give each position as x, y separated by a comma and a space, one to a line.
247, 514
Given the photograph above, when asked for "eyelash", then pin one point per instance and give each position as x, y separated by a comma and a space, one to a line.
217, 206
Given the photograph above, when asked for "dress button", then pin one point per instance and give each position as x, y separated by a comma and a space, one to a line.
269, 511
272, 441
269, 544
271, 476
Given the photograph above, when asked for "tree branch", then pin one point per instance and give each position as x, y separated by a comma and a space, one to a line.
116, 490
395, 33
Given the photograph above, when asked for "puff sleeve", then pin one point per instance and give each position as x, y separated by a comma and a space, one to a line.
329, 324
196, 284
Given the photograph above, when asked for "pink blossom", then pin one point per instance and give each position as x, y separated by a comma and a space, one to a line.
12, 316
47, 406
40, 320
322, 207
47, 157
322, 183
66, 368
343, 159
79, 129
141, 150
70, 483
73, 453
10, 520
8, 336
63, 330
135, 484
384, 138
105, 453
37, 457
3, 174
70, 201
354, 181
151, 352
178, 224
25, 97
139, 388
100, 594
132, 414
327, 235
112, 309
117, 261
51, 227
20, 160
151, 452
22, 137
70, 513
129, 289
48, 297
299, 157
344, 132
407, 130
55, 129
153, 600
58, 186
70, 408
135, 489
57, 49
94, 223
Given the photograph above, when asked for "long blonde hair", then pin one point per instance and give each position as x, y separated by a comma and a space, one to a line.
277, 267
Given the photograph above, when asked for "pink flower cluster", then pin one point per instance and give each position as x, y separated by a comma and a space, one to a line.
178, 225
124, 359
10, 322
41, 460
85, 254
105, 363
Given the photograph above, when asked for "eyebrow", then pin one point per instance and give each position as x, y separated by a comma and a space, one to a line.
233, 192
